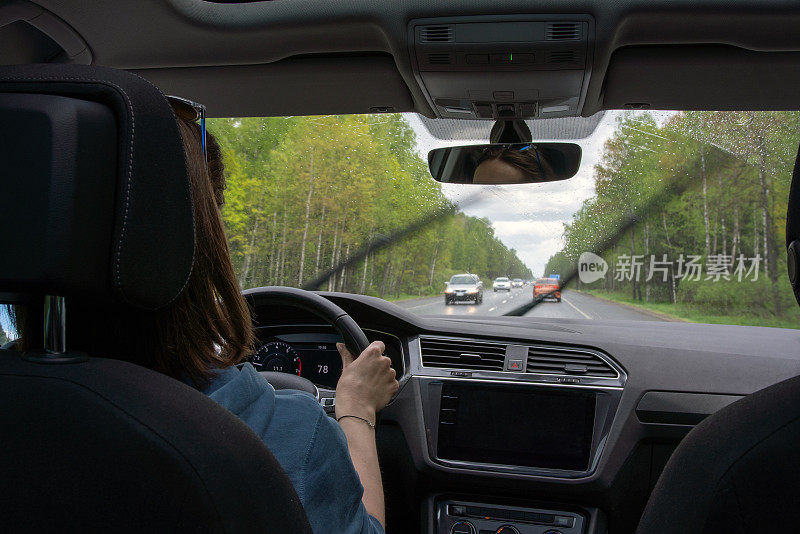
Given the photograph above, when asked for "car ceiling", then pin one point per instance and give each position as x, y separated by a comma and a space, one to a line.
305, 57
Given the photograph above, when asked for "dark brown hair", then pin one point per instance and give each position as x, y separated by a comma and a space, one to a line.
207, 326
526, 161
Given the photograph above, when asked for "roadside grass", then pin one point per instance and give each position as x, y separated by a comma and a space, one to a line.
688, 313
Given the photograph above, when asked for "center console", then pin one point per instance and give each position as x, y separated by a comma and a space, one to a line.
519, 429
508, 434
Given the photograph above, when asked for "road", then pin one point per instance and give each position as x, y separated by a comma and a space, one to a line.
573, 305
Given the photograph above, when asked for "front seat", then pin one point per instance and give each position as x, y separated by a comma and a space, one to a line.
738, 471
95, 203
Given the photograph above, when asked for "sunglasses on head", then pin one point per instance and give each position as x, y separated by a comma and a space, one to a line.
191, 111
530, 147
535, 151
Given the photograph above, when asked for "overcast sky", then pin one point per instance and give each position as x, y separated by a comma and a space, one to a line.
528, 217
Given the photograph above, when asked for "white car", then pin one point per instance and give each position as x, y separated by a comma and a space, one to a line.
463, 287
501, 284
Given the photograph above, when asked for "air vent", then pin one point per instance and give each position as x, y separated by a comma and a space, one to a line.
563, 31
562, 56
458, 354
567, 361
439, 59
437, 34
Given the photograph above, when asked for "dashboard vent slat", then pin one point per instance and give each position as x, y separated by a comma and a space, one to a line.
440, 59
438, 34
457, 351
462, 354
572, 361
562, 31
457, 346
561, 56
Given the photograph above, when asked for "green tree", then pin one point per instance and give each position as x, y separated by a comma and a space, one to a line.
305, 193
738, 165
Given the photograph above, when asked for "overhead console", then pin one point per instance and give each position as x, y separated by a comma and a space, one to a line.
503, 67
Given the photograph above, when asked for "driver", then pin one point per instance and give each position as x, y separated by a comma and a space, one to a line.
508, 165
201, 336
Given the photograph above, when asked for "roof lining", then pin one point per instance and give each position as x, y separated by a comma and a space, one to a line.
156, 37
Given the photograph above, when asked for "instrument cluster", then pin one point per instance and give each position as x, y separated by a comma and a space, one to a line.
312, 353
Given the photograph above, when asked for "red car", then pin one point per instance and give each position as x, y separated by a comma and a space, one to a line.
547, 288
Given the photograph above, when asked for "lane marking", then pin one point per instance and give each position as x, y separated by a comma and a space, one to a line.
575, 307
504, 301
493, 308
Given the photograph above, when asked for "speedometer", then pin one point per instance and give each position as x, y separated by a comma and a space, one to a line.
277, 356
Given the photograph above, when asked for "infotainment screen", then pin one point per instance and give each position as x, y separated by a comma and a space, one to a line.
520, 426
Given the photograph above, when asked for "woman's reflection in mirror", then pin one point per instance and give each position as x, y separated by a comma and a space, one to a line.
510, 165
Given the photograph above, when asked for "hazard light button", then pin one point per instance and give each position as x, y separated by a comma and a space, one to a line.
514, 365
515, 358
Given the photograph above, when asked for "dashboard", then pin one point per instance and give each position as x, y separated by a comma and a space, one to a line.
558, 424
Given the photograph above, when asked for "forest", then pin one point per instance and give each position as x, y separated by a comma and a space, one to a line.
304, 193
706, 190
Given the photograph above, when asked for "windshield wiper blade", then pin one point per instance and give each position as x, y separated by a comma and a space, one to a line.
669, 191
393, 238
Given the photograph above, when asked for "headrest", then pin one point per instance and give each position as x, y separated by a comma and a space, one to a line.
95, 199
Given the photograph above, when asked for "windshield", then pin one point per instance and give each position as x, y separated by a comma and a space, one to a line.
675, 216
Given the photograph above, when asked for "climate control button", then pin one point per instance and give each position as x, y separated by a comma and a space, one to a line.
462, 527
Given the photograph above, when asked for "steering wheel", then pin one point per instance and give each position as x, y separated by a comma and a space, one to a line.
353, 336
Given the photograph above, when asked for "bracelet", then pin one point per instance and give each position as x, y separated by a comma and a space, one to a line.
370, 423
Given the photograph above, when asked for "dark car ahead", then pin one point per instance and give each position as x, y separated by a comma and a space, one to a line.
464, 288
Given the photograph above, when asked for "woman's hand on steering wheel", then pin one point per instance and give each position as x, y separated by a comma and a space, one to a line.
367, 382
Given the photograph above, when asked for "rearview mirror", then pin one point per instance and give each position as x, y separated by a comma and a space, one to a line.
516, 163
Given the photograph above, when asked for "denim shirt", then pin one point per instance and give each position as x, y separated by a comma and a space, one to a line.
310, 446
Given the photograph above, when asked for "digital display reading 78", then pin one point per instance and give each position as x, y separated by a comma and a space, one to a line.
322, 363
